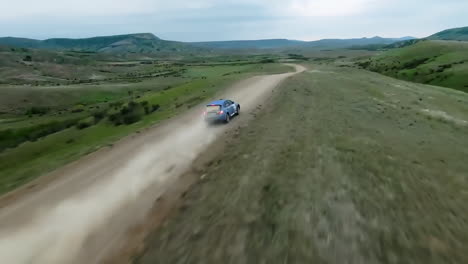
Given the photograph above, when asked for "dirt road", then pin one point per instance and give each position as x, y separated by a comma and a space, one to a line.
80, 215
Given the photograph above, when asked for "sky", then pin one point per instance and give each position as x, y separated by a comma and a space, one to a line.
208, 20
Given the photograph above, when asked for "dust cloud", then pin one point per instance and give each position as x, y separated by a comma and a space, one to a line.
57, 235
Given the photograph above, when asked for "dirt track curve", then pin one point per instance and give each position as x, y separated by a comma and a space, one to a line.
80, 212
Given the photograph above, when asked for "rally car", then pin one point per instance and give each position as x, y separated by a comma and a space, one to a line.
221, 111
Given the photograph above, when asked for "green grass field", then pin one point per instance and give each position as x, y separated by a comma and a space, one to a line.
77, 103
441, 63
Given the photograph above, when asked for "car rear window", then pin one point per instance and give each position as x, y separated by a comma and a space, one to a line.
212, 108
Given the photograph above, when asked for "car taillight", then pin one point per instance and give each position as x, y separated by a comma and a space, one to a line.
220, 112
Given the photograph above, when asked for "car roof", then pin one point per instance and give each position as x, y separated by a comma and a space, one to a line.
217, 102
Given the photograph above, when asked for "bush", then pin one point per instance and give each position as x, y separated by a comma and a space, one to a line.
132, 118
146, 107
443, 67
115, 119
129, 114
87, 122
98, 115
116, 105
14, 137
364, 64
414, 63
154, 108
267, 61
37, 110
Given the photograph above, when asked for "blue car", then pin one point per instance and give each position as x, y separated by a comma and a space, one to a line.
221, 111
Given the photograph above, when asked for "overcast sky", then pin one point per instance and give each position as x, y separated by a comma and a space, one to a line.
199, 20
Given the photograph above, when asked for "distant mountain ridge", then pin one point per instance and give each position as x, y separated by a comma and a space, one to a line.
134, 43
285, 43
149, 43
249, 44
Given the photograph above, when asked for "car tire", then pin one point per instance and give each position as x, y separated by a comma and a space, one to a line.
238, 110
228, 118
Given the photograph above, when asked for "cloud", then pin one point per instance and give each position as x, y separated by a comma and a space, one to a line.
197, 20
20, 9
323, 8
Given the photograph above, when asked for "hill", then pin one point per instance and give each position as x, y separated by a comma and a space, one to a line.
286, 43
402, 44
250, 44
133, 43
460, 34
42, 66
451, 34
436, 62
344, 43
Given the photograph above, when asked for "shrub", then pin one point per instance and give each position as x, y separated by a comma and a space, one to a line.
115, 119
364, 64
443, 67
37, 110
267, 61
129, 114
145, 106
87, 122
98, 115
154, 108
13, 137
116, 105
414, 63
132, 118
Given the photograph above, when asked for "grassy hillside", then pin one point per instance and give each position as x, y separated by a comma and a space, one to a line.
46, 67
345, 43
39, 67
133, 43
442, 63
451, 34
459, 34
